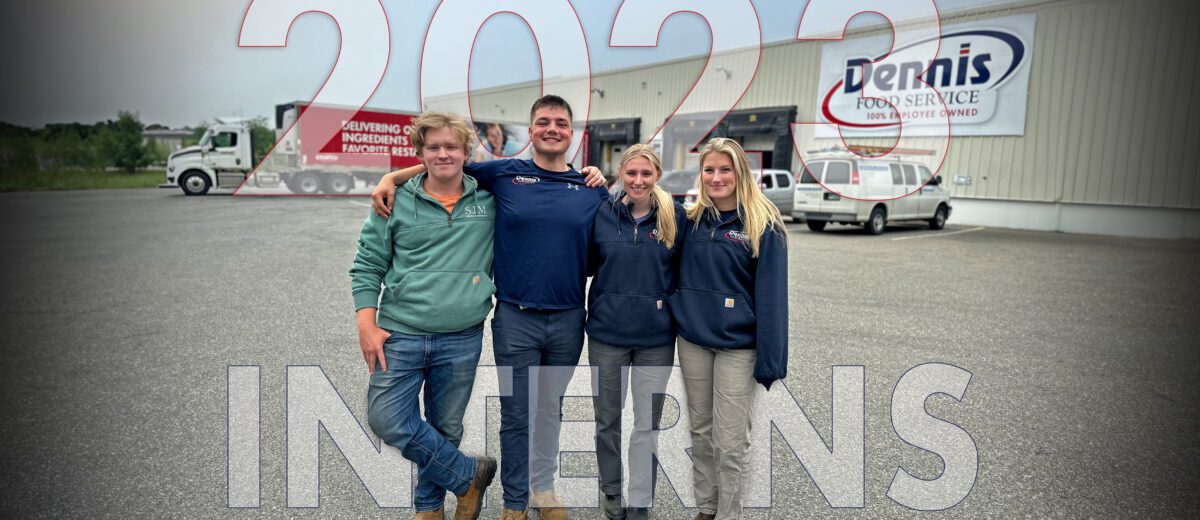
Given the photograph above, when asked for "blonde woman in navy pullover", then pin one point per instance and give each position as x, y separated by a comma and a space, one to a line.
631, 339
731, 311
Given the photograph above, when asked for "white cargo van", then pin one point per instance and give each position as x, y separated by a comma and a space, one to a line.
844, 188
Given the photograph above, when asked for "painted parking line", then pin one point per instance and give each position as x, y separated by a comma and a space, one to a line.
935, 235
359, 203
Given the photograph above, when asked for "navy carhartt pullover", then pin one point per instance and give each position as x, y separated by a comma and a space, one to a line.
634, 275
729, 300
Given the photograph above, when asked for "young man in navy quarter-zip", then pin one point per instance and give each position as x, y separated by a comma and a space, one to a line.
544, 212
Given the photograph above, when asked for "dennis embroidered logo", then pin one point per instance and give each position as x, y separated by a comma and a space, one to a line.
739, 237
521, 179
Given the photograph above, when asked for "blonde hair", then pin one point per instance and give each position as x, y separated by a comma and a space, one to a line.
434, 120
757, 212
666, 205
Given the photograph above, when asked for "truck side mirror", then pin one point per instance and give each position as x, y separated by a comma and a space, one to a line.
937, 180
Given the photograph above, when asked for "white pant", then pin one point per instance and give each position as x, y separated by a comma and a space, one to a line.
720, 393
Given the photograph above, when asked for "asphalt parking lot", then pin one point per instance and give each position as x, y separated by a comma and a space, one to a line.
123, 309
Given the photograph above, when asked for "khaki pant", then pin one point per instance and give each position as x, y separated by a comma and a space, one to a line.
720, 393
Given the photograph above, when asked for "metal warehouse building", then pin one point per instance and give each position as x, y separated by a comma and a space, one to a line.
1107, 141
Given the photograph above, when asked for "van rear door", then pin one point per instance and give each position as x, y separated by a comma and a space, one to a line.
808, 190
840, 179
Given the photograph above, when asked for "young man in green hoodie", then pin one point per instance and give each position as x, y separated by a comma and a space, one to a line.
435, 264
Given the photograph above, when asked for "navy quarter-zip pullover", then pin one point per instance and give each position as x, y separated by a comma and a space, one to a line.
729, 300
634, 276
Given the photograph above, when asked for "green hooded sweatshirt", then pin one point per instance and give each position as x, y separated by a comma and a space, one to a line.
435, 266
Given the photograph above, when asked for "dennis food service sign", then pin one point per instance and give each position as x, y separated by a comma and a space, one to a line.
981, 72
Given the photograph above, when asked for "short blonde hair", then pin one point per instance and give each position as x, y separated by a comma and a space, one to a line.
434, 120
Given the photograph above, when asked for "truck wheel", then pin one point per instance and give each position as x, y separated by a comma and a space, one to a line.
817, 225
878, 220
194, 183
338, 184
306, 184
939, 218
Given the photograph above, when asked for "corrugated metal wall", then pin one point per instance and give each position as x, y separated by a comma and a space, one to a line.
1113, 113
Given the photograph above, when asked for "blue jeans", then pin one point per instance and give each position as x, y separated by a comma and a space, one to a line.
523, 338
445, 365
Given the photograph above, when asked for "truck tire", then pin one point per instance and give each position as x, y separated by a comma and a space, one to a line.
939, 218
337, 184
817, 225
194, 183
306, 184
876, 222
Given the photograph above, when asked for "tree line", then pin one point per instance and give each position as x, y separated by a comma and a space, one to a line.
107, 144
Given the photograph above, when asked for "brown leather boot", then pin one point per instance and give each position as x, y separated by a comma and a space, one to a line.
509, 514
704, 516
439, 514
471, 502
548, 505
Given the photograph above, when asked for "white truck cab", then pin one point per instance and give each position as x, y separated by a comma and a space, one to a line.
222, 160
839, 186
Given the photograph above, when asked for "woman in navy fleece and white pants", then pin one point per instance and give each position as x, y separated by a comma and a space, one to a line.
731, 311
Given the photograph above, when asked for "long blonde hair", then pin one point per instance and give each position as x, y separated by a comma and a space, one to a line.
756, 210
666, 205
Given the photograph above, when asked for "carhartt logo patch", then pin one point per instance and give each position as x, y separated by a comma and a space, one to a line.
522, 179
728, 303
660, 305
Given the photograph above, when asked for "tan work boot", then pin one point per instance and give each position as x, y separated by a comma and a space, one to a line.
438, 514
548, 505
509, 514
471, 502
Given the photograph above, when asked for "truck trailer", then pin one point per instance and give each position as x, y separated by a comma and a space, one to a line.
319, 149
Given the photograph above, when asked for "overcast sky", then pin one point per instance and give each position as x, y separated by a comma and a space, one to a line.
178, 63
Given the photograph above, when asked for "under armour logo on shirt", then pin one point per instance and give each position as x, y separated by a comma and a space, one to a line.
573, 187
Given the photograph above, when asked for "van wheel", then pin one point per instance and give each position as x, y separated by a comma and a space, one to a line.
817, 225
878, 220
338, 184
939, 218
194, 183
306, 184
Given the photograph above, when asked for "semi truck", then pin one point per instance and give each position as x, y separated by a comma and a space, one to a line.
331, 150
